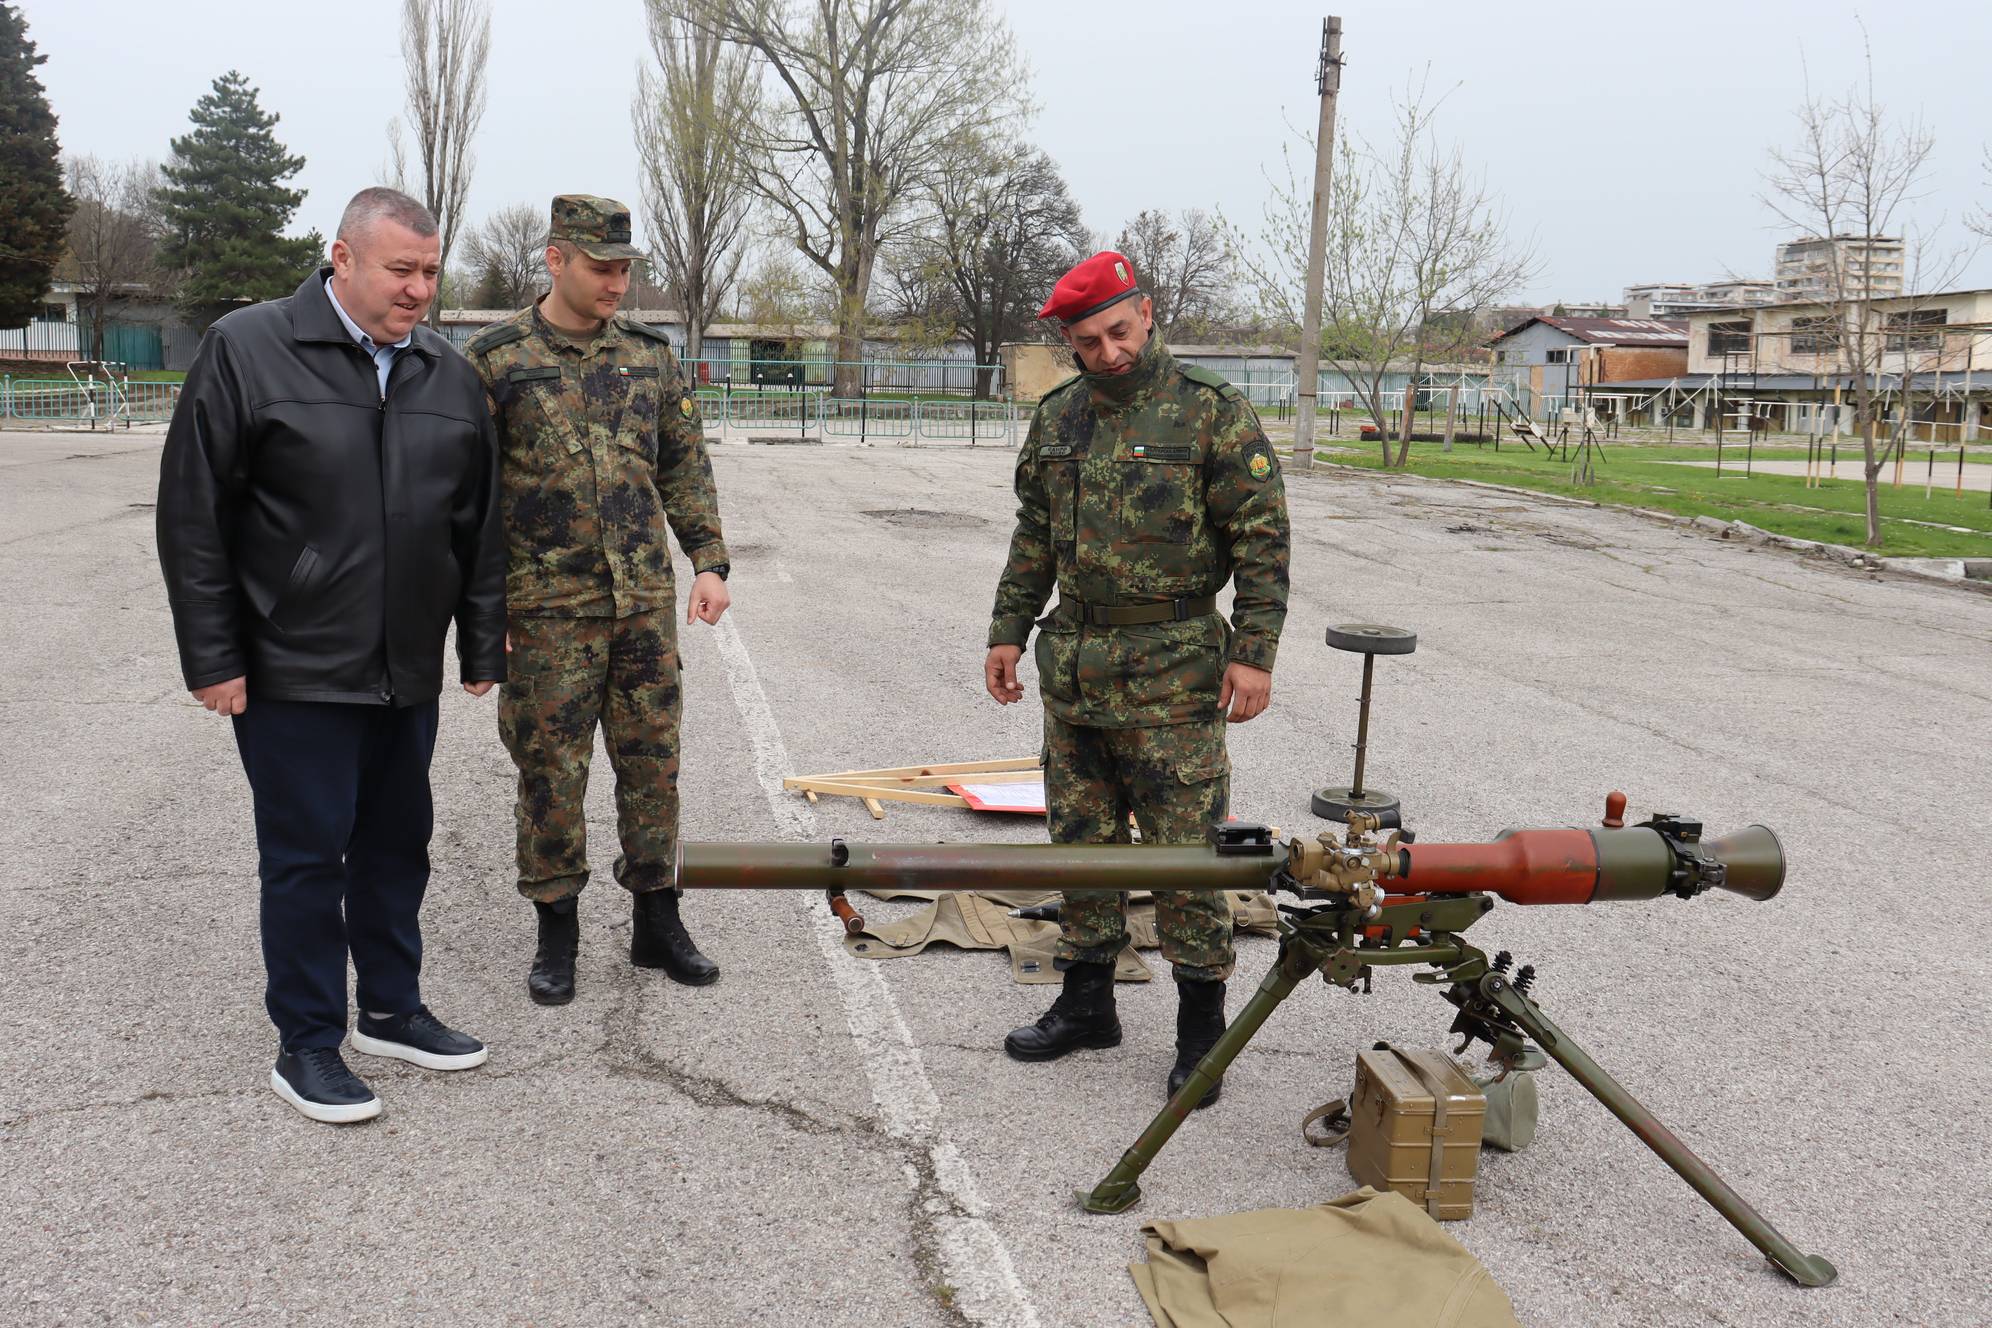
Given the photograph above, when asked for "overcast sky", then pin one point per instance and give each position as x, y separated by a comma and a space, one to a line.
1627, 140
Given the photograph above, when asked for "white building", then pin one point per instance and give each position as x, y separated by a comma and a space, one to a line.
1672, 299
1848, 267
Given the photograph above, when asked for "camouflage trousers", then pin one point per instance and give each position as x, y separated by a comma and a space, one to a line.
564, 676
1176, 780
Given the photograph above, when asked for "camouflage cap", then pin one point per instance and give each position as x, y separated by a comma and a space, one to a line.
598, 227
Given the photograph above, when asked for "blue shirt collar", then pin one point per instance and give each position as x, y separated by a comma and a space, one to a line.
354, 330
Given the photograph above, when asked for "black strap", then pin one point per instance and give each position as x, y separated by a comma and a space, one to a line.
1134, 615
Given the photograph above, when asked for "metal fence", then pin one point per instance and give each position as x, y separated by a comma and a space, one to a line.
41, 339
133, 345
92, 401
805, 413
954, 377
1271, 384
816, 413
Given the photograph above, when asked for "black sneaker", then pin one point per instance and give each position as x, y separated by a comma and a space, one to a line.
420, 1039
317, 1083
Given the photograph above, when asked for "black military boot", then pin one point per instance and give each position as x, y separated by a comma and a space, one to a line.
1199, 1024
552, 980
1082, 1016
658, 940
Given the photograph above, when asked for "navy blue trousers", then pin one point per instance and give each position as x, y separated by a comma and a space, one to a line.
342, 838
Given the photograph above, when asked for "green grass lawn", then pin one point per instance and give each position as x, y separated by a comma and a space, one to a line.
1631, 475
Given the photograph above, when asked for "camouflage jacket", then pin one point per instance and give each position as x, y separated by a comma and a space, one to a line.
600, 445
1135, 489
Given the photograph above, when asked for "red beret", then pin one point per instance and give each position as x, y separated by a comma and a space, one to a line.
1104, 279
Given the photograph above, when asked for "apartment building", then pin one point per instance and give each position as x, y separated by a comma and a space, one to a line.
1849, 267
1665, 299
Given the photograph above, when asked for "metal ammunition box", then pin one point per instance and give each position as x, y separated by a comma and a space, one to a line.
1414, 1127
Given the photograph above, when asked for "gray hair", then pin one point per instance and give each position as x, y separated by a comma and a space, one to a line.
372, 206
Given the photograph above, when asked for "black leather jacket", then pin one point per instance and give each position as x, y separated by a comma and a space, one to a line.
316, 538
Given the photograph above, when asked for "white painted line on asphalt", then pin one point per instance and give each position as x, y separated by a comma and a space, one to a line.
973, 1257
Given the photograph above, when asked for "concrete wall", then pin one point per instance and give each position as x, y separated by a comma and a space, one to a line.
1030, 370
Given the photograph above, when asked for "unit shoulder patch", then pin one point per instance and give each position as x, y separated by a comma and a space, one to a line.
1260, 462
495, 336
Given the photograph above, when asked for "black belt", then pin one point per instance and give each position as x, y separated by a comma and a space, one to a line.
1133, 615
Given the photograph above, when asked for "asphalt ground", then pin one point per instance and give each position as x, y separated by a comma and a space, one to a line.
820, 1139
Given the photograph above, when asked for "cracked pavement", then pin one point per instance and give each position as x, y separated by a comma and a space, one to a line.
656, 1154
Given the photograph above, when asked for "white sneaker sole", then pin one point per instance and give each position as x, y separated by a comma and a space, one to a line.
428, 1060
319, 1111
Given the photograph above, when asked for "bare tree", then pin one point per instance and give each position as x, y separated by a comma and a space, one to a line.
444, 47
778, 297
865, 98
1003, 227
1981, 220
1417, 249
111, 235
1846, 176
1185, 266
692, 111
507, 256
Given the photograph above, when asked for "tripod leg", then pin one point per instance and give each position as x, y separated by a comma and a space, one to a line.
1806, 1269
1118, 1192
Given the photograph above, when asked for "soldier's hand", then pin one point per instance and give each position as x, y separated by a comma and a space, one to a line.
999, 674
478, 688
709, 598
1246, 692
226, 698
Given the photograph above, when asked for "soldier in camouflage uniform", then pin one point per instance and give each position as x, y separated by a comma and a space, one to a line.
1143, 486
601, 445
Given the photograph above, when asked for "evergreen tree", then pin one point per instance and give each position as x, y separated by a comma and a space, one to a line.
224, 206
34, 209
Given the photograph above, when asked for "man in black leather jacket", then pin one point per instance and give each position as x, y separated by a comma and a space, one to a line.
328, 503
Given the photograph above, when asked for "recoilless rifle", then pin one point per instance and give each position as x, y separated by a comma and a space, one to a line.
1370, 897
1366, 902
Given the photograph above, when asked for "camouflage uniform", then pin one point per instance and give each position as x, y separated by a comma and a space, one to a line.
601, 446
1142, 488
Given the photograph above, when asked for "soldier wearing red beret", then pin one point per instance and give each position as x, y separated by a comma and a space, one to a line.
1143, 486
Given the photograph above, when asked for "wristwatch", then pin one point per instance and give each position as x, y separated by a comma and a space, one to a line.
719, 570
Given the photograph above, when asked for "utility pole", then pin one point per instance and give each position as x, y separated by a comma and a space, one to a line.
1328, 82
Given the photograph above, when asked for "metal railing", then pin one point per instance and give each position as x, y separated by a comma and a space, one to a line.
91, 401
861, 418
866, 418
95, 401
931, 377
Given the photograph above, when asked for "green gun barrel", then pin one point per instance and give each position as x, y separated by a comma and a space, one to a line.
840, 866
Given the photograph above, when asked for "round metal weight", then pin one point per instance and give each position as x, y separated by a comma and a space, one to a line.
1335, 804
1372, 639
